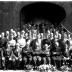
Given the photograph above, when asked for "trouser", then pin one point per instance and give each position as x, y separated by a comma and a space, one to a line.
52, 61
48, 60
57, 63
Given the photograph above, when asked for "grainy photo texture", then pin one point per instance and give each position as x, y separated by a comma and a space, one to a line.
36, 36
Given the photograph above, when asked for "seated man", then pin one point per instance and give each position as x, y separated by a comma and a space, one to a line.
47, 52
46, 45
36, 44
17, 52
57, 55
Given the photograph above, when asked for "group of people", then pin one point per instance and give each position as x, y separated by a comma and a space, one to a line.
19, 49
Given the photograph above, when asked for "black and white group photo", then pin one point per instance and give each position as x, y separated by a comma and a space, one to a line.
36, 36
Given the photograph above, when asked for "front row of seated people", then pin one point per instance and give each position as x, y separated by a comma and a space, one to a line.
13, 44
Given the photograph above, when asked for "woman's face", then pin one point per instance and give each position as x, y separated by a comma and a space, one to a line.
56, 32
59, 36
23, 32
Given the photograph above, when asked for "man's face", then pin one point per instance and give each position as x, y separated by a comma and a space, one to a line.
56, 32
7, 32
48, 31
69, 36
2, 35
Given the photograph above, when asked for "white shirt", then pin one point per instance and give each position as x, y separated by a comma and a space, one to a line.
22, 42
12, 42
